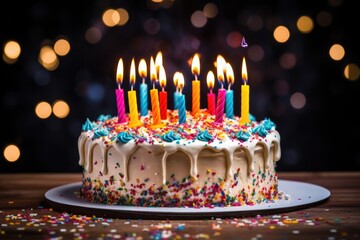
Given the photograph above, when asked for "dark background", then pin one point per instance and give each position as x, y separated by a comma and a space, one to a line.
323, 135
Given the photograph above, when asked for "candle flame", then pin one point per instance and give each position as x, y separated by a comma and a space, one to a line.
229, 74
180, 80
153, 75
195, 65
210, 79
132, 72
162, 77
142, 68
158, 62
120, 71
176, 79
220, 67
244, 74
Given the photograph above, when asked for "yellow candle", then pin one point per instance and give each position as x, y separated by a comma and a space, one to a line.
133, 108
195, 68
154, 96
245, 96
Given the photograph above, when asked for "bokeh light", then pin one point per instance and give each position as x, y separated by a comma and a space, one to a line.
305, 24
337, 52
288, 60
11, 52
210, 10
111, 17
234, 39
298, 100
60, 109
124, 16
43, 110
152, 26
48, 58
352, 72
62, 47
198, 19
93, 35
256, 53
11, 153
281, 34
324, 18
255, 23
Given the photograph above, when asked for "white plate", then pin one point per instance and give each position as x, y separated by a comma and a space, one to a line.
301, 195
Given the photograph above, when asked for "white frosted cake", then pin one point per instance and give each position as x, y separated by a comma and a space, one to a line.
199, 163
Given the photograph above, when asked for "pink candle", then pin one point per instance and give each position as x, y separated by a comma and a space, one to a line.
120, 93
220, 65
211, 96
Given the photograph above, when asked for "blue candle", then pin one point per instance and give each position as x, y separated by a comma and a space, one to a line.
144, 95
176, 100
143, 99
182, 108
229, 104
229, 93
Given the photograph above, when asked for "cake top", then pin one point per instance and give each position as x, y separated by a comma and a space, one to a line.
201, 127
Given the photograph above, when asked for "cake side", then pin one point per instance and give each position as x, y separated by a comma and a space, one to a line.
196, 164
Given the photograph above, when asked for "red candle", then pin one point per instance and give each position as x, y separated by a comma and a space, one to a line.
163, 94
210, 96
120, 93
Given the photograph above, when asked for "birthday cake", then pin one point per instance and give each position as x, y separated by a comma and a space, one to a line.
199, 163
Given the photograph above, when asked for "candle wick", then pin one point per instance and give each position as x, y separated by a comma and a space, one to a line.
132, 87
229, 86
143, 80
119, 87
163, 89
196, 77
210, 90
153, 85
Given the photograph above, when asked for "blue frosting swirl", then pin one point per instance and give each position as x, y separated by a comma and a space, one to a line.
243, 135
124, 137
204, 136
268, 124
88, 125
170, 136
103, 117
101, 132
260, 130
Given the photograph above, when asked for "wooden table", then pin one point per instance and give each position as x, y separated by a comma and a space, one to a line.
23, 214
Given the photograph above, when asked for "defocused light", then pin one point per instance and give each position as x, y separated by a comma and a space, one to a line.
297, 100
233, 39
152, 26
352, 72
324, 18
256, 53
95, 92
11, 153
48, 58
198, 19
337, 52
12, 52
335, 3
281, 34
93, 35
111, 17
281, 87
254, 23
288, 60
124, 16
210, 10
61, 109
305, 24
62, 47
43, 110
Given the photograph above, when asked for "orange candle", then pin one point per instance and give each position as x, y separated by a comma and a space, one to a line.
154, 96
133, 108
195, 69
245, 93
163, 94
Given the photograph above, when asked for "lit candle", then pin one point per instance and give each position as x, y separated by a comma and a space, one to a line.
210, 79
195, 69
229, 93
176, 93
245, 92
181, 99
143, 88
154, 96
120, 103
133, 115
220, 66
163, 94
158, 62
